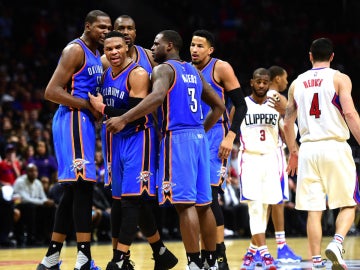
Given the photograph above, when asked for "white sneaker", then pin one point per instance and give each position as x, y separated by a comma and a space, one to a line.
193, 266
334, 253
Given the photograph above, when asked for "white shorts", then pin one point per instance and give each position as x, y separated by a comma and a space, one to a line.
326, 174
261, 177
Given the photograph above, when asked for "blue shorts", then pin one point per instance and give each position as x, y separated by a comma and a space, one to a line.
218, 167
133, 164
74, 143
184, 169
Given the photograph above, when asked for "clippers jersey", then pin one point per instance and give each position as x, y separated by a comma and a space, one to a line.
184, 95
259, 131
320, 115
208, 73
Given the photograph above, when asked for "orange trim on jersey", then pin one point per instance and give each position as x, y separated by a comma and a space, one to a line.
81, 146
168, 96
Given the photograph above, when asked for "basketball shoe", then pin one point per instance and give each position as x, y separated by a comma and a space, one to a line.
164, 260
287, 255
334, 252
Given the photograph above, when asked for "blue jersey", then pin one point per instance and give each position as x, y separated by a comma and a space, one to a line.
88, 78
74, 129
115, 91
181, 108
208, 73
143, 59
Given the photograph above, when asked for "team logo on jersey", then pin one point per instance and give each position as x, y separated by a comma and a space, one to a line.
222, 172
144, 176
78, 164
166, 186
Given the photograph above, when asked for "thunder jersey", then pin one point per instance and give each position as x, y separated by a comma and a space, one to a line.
181, 108
319, 113
88, 78
259, 131
208, 73
115, 91
143, 59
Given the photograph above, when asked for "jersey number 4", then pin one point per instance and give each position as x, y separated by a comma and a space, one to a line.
315, 109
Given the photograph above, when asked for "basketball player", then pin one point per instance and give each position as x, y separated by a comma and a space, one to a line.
125, 84
278, 83
126, 25
77, 74
184, 154
220, 75
260, 185
320, 99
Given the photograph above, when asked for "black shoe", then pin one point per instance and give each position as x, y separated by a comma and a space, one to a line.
43, 267
165, 261
126, 265
222, 263
221, 257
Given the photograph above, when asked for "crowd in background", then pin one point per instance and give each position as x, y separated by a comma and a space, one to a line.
249, 34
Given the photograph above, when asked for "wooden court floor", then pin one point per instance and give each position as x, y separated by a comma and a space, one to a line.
28, 258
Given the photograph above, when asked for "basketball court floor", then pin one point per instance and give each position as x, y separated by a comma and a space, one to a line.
28, 258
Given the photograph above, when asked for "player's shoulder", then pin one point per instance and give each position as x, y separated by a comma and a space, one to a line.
222, 67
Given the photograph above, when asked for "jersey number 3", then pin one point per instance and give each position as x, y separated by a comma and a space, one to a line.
194, 102
315, 109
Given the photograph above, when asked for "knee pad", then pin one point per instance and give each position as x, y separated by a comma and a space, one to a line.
147, 222
82, 205
130, 217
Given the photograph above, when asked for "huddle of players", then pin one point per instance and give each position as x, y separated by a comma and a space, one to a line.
191, 103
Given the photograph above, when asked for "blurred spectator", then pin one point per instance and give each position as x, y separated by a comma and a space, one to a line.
10, 166
46, 163
8, 216
37, 211
102, 206
236, 214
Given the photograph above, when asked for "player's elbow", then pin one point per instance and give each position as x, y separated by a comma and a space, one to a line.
48, 95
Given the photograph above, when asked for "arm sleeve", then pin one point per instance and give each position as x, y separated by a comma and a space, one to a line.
133, 101
238, 100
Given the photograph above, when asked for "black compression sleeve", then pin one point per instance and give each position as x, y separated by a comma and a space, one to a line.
238, 100
112, 112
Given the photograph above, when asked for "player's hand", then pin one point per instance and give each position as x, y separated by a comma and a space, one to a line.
276, 101
225, 147
292, 164
96, 101
115, 124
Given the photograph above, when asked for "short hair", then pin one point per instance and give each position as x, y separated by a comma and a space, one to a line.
321, 49
91, 17
124, 16
31, 166
261, 72
276, 71
174, 37
205, 34
114, 34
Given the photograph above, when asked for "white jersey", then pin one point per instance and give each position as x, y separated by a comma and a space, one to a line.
259, 131
319, 114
